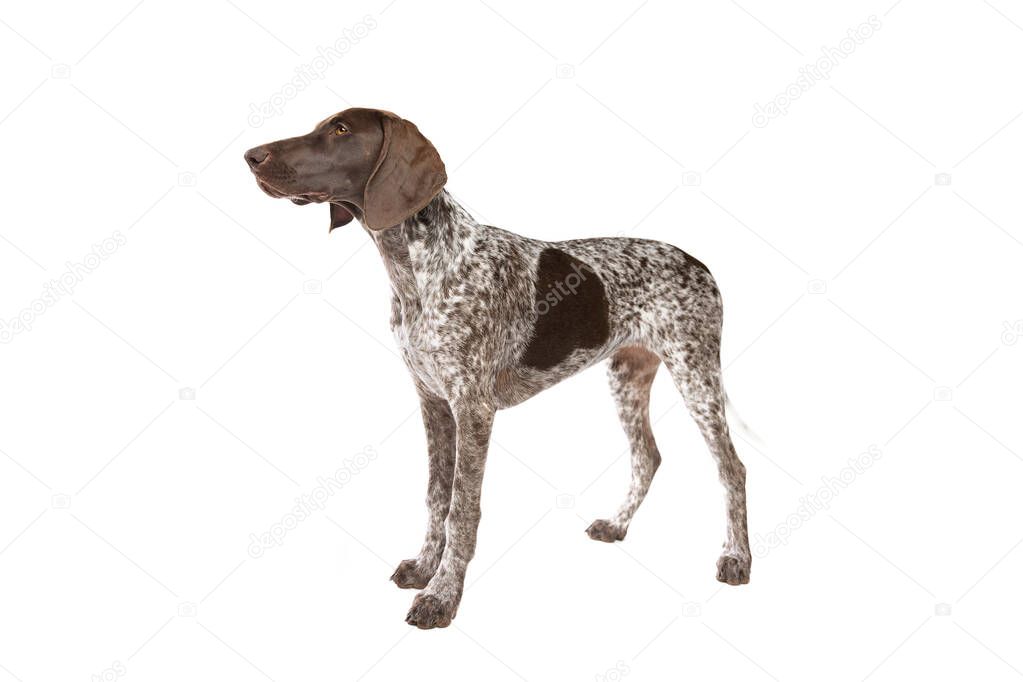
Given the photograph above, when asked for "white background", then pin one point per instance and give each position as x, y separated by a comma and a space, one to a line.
869, 304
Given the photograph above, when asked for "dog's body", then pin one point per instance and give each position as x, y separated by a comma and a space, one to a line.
485, 319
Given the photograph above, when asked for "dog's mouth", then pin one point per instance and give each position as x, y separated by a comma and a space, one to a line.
339, 214
299, 198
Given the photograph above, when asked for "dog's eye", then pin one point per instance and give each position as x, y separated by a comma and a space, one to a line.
340, 130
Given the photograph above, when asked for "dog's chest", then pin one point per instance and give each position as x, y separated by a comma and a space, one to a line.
422, 339
455, 301
421, 323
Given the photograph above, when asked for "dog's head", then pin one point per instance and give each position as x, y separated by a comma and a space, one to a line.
366, 163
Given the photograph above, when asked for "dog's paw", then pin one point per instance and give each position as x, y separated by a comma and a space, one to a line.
408, 575
733, 570
430, 611
605, 531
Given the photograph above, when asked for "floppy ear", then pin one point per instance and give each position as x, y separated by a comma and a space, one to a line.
408, 175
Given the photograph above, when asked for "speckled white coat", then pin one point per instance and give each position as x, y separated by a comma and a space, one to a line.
466, 312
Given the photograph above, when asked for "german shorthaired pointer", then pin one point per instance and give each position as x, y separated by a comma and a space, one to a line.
486, 319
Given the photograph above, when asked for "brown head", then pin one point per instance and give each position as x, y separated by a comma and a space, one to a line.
366, 163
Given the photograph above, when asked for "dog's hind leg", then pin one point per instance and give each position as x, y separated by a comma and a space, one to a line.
696, 368
631, 372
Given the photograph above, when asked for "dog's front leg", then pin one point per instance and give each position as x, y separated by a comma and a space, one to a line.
440, 442
436, 605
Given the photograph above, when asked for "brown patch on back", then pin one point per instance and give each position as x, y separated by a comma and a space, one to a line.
571, 310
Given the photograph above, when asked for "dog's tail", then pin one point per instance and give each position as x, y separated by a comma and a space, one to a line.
740, 425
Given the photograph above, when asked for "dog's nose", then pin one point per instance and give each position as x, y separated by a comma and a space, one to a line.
256, 156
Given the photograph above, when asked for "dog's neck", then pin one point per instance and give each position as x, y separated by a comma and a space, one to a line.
433, 240
442, 227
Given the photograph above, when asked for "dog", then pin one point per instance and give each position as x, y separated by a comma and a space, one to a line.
486, 318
